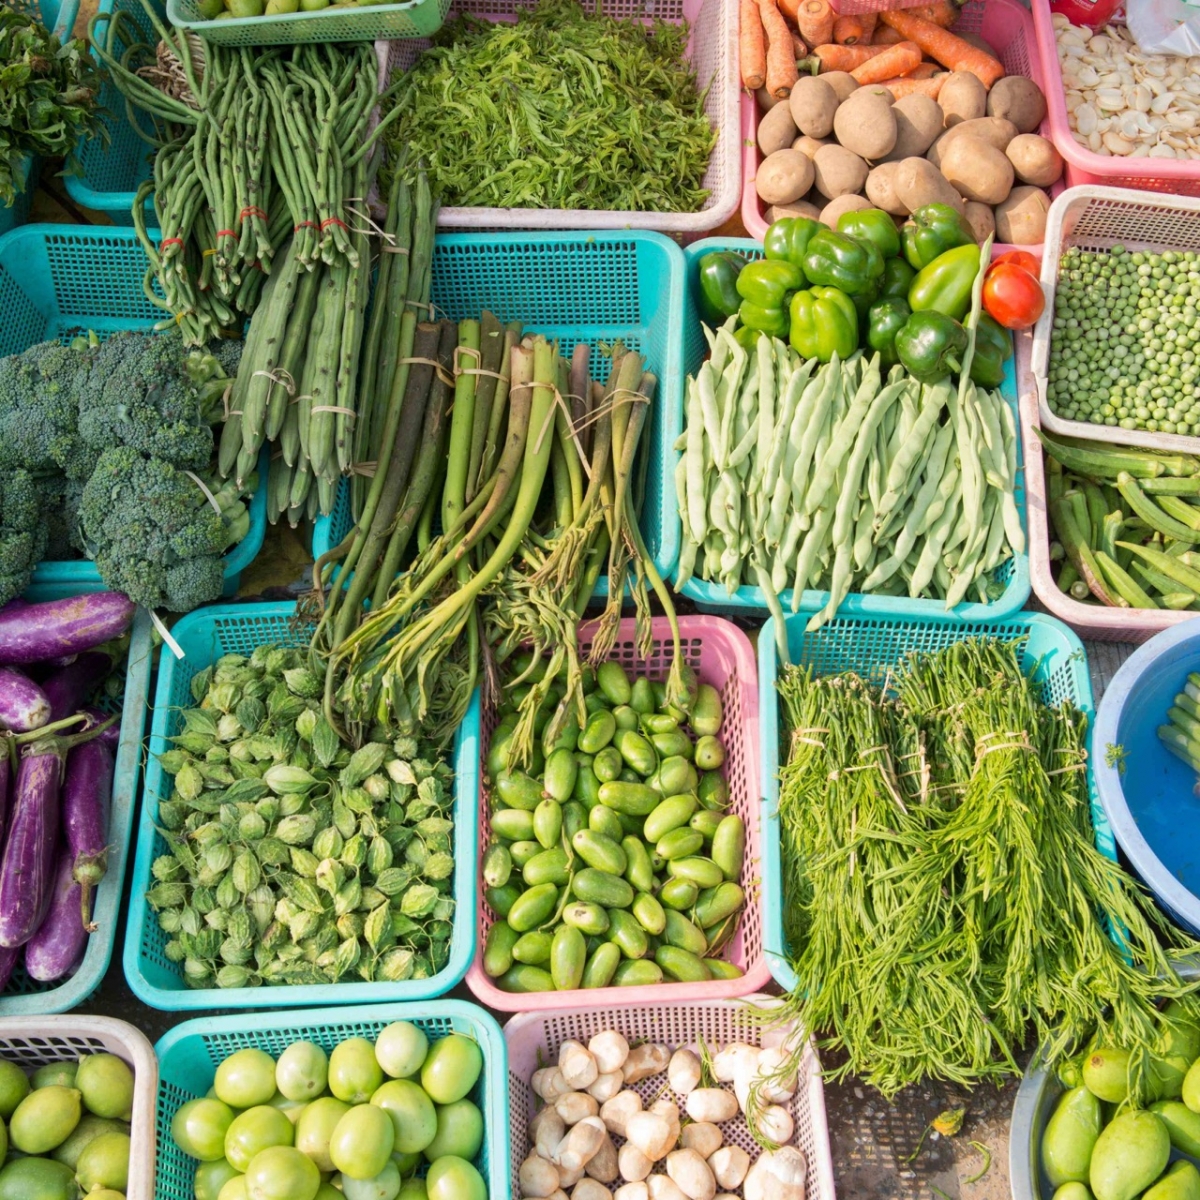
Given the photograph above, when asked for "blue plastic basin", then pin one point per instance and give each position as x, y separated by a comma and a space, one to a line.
1146, 791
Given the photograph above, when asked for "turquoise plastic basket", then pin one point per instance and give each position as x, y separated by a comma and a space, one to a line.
576, 287
25, 996
57, 281
204, 636
873, 646
337, 23
189, 1054
747, 601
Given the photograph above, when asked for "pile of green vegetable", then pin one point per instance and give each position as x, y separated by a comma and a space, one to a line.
48, 95
106, 450
563, 109
290, 858
1123, 348
942, 893
1127, 523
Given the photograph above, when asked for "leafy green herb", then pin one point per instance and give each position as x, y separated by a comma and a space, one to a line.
1115, 755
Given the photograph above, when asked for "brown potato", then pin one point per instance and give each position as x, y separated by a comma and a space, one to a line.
766, 101
918, 124
881, 189
843, 204
842, 82
776, 131
993, 130
783, 177
977, 41
1021, 219
813, 103
810, 145
1018, 100
962, 98
838, 172
977, 170
1034, 159
918, 182
864, 123
801, 208
980, 218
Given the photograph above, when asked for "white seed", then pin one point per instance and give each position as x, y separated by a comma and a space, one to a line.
1088, 76
1110, 99
1140, 97
1094, 143
1162, 150
1086, 119
1117, 144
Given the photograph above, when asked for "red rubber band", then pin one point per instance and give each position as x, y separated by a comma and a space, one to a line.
253, 211
335, 221
226, 233
170, 242
304, 225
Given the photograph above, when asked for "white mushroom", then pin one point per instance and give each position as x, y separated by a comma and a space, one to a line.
669, 1111
692, 1175
574, 1106
662, 1187
610, 1050
712, 1104
735, 1059
537, 1177
777, 1175
603, 1165
577, 1065
591, 1189
581, 1144
776, 1125
632, 1163
632, 1191
701, 1136
778, 1086
651, 1134
546, 1130
568, 1179
615, 1113
683, 1071
644, 1061
550, 1084
606, 1086
729, 1165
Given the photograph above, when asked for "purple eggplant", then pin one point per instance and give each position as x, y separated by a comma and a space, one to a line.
110, 736
23, 705
6, 779
57, 947
28, 864
86, 797
70, 687
8, 960
35, 632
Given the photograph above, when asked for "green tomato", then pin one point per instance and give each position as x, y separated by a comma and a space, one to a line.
452, 1178
246, 1079
362, 1142
199, 1128
327, 1192
60, 1073
459, 1131
104, 1163
401, 1049
451, 1068
255, 1130
211, 1177
44, 1119
235, 1189
107, 1086
37, 1179
290, 1108
314, 1129
302, 1071
413, 1189
282, 1173
385, 1185
14, 1087
354, 1071
412, 1114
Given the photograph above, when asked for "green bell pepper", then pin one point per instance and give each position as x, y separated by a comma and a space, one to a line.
718, 285
897, 278
788, 238
765, 288
932, 230
837, 260
872, 225
930, 346
886, 318
993, 346
747, 338
824, 323
945, 284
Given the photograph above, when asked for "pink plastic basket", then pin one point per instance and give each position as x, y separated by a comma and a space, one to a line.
721, 655
1004, 24
534, 1038
1180, 177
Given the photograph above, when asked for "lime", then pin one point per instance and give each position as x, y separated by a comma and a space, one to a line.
302, 1071
401, 1049
459, 1131
384, 1186
452, 1178
282, 1173
451, 1068
255, 1130
104, 1163
413, 1189
14, 1087
234, 1189
411, 1111
107, 1086
354, 1072
199, 1128
37, 1179
44, 1119
60, 1073
246, 1078
362, 1142
314, 1129
89, 1127
211, 1177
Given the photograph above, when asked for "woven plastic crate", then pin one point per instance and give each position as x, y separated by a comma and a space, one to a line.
189, 1054
45, 1040
534, 1038
204, 636
748, 601
337, 23
873, 646
598, 288
1004, 24
721, 656
712, 51
58, 281
1098, 218
1174, 176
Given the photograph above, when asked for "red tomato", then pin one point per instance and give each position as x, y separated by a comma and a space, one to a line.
1012, 296
1022, 258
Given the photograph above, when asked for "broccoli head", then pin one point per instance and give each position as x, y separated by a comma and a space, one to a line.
22, 532
153, 531
59, 500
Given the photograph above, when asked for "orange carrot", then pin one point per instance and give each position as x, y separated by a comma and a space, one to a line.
752, 45
895, 60
798, 47
952, 52
845, 58
885, 35
925, 70
814, 19
916, 87
781, 57
847, 31
869, 21
941, 12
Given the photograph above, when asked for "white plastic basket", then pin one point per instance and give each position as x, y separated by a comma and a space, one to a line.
712, 50
1098, 218
33, 1042
534, 1038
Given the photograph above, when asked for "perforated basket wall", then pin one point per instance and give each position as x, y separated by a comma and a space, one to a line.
204, 636
534, 1039
58, 281
714, 597
873, 646
337, 23
190, 1053
712, 51
597, 288
721, 656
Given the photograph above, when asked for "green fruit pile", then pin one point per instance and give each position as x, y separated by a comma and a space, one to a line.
65, 1129
1099, 1146
613, 860
354, 1124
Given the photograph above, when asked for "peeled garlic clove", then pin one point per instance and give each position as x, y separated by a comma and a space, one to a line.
683, 1072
